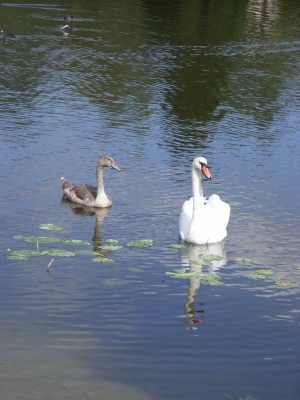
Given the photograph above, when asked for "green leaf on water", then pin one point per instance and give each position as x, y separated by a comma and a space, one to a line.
111, 241
50, 227
244, 260
18, 258
86, 252
111, 248
181, 271
285, 283
210, 257
176, 246
26, 253
75, 242
234, 203
135, 269
298, 267
265, 271
255, 276
18, 237
141, 243
57, 252
103, 260
41, 239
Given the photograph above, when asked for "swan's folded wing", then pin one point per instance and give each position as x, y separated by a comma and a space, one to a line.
185, 218
84, 192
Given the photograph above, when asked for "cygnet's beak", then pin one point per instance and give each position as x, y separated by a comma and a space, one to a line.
113, 165
206, 172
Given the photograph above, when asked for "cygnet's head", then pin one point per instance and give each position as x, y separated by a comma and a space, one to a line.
200, 164
106, 161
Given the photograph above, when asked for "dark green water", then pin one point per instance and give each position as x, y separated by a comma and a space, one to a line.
152, 84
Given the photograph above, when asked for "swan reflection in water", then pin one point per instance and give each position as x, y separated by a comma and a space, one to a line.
100, 214
188, 255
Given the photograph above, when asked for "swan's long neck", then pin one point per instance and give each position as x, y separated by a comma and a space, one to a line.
197, 191
100, 184
198, 206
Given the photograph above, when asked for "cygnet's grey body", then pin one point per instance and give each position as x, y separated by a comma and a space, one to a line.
89, 195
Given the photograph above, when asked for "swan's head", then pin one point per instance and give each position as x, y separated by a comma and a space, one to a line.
106, 161
200, 164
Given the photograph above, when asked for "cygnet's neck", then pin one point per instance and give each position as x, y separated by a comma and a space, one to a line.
102, 200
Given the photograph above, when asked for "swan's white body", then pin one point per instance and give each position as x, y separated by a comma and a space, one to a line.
203, 221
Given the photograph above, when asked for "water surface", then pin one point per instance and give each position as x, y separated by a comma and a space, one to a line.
153, 85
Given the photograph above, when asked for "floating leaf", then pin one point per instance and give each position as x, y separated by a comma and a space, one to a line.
86, 252
255, 276
234, 203
247, 260
244, 260
16, 257
111, 241
111, 248
212, 283
141, 243
176, 246
285, 283
135, 269
26, 253
210, 257
50, 227
57, 252
75, 242
42, 239
298, 267
18, 237
103, 260
181, 271
265, 271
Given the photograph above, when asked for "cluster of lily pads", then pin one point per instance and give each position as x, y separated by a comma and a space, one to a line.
207, 279
264, 273
109, 246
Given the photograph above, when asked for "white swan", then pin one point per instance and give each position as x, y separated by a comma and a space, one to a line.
203, 221
89, 195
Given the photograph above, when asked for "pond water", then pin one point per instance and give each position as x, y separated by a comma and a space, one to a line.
152, 84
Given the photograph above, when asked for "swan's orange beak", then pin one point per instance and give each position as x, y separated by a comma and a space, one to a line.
206, 172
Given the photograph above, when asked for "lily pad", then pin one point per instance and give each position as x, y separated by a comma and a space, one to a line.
210, 257
141, 243
111, 241
234, 203
86, 252
202, 262
176, 246
26, 253
255, 276
103, 260
17, 258
244, 260
298, 267
50, 227
111, 248
75, 242
285, 283
41, 239
181, 271
18, 237
57, 252
265, 271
